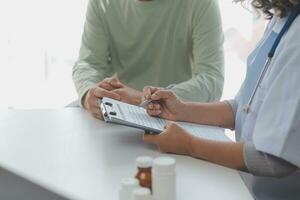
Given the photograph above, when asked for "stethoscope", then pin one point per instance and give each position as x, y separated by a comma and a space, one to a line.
284, 29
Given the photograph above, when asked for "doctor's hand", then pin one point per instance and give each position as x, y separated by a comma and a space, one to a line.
165, 103
174, 139
102, 89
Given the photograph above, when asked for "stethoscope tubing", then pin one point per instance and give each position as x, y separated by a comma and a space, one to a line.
261, 76
284, 29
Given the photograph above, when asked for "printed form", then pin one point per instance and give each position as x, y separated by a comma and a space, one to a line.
137, 115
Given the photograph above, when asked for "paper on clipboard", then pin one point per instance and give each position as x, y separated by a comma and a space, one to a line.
134, 116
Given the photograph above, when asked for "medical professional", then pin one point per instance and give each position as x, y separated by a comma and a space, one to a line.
265, 113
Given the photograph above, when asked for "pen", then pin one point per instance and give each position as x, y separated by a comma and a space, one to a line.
147, 101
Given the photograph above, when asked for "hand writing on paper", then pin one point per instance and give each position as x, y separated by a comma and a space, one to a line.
165, 103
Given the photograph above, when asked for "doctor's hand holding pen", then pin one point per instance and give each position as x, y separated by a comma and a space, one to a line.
160, 102
164, 103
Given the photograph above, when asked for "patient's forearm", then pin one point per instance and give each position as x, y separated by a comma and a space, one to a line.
216, 114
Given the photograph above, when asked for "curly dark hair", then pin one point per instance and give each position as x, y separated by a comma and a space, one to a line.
282, 7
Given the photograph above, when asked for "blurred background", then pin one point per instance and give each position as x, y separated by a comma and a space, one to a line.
40, 40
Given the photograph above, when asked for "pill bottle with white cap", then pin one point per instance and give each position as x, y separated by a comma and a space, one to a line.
143, 175
127, 187
164, 178
141, 194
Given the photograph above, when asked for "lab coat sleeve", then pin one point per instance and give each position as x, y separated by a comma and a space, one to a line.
277, 129
92, 65
263, 164
234, 105
207, 79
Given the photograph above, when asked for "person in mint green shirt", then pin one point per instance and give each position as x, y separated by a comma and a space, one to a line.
128, 44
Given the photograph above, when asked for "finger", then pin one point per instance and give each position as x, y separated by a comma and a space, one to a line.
162, 94
147, 92
115, 77
169, 125
151, 139
95, 111
100, 93
150, 106
115, 82
112, 78
94, 103
106, 86
154, 113
106, 80
156, 106
112, 81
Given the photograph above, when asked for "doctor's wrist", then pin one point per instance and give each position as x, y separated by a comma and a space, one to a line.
181, 113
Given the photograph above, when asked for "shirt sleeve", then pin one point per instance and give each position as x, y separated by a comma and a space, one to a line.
233, 104
92, 65
207, 79
263, 164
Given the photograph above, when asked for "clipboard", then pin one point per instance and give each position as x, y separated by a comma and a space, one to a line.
121, 113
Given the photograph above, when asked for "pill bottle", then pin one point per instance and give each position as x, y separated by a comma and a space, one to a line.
164, 178
127, 187
143, 175
141, 194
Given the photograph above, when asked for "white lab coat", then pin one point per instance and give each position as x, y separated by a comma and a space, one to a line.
273, 123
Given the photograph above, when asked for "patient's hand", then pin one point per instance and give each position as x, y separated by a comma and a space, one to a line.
113, 88
102, 89
127, 94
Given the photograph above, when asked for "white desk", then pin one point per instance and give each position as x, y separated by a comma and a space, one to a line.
69, 152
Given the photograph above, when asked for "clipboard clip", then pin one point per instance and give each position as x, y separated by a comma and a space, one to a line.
103, 109
108, 104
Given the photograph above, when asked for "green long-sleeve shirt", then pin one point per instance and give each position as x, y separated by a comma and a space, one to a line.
158, 42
